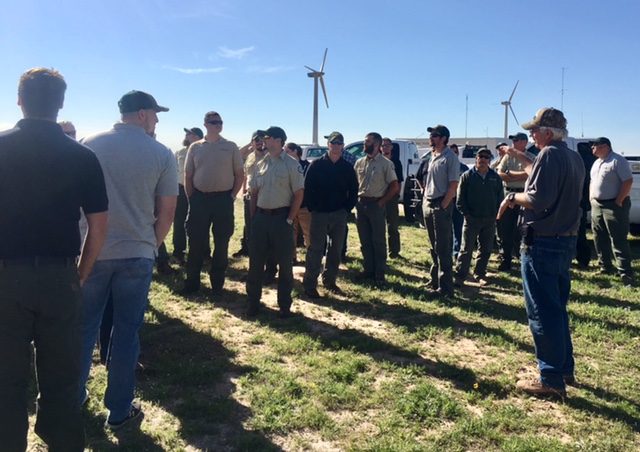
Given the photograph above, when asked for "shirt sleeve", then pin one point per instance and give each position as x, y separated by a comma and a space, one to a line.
390, 173
94, 196
296, 177
543, 183
238, 163
168, 182
623, 169
453, 168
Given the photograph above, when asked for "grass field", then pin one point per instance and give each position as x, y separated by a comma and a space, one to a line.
381, 369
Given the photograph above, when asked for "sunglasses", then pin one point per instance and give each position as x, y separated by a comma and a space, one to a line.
435, 135
338, 143
215, 123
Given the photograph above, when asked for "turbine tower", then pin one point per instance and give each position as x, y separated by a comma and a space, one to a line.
317, 75
507, 107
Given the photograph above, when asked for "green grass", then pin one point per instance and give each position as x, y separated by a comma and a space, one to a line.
382, 369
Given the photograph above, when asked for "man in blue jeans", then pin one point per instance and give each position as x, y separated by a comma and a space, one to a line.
551, 217
142, 178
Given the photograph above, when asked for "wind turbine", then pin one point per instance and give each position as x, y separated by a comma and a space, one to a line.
317, 75
507, 107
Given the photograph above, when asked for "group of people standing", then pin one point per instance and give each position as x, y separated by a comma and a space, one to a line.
63, 258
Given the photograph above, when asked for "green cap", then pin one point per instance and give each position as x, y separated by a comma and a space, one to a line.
440, 130
519, 136
334, 136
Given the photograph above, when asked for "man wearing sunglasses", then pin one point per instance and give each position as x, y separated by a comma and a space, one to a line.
480, 193
513, 176
440, 184
331, 191
213, 176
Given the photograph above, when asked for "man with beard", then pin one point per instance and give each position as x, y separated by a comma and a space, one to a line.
377, 185
440, 185
550, 220
182, 208
142, 183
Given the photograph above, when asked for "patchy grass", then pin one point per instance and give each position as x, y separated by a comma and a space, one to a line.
380, 369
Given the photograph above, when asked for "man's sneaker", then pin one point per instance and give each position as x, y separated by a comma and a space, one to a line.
187, 290
134, 413
570, 380
537, 388
253, 309
311, 292
482, 280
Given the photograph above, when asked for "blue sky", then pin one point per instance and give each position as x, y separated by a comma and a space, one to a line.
392, 67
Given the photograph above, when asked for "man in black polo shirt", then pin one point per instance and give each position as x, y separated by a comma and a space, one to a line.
46, 177
331, 192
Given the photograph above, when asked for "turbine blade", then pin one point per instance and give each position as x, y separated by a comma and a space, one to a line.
514, 114
514, 91
324, 59
312, 70
324, 91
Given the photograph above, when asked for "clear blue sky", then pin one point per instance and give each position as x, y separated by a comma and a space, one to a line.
392, 67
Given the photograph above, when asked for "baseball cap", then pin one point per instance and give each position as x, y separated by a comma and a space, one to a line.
519, 136
335, 136
502, 143
138, 100
440, 130
601, 140
195, 131
547, 117
484, 151
276, 132
258, 134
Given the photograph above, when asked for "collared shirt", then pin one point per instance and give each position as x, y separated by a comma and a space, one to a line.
442, 170
181, 158
607, 176
213, 165
330, 186
374, 175
45, 179
513, 164
277, 179
554, 190
250, 164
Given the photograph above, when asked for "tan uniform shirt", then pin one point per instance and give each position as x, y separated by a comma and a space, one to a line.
374, 176
181, 158
277, 179
512, 164
250, 164
213, 165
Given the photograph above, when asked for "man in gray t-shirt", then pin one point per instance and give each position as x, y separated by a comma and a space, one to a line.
141, 176
611, 181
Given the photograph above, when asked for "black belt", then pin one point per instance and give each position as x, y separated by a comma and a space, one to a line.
515, 190
278, 211
38, 261
433, 201
369, 199
605, 200
571, 233
214, 193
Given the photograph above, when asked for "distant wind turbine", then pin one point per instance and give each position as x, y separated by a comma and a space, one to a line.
317, 75
507, 107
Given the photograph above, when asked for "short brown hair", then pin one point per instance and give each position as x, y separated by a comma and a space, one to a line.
41, 92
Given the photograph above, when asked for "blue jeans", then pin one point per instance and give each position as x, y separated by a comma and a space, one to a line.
547, 283
128, 280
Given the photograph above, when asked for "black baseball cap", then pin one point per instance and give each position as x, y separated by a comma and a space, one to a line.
138, 100
195, 131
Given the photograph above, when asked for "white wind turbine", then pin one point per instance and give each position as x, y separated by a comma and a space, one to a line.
507, 107
317, 75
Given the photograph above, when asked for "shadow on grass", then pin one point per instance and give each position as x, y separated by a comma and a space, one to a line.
617, 413
187, 374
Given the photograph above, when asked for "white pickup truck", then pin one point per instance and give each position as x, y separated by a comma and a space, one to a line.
634, 214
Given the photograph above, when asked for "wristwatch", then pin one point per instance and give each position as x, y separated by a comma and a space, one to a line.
289, 221
511, 197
